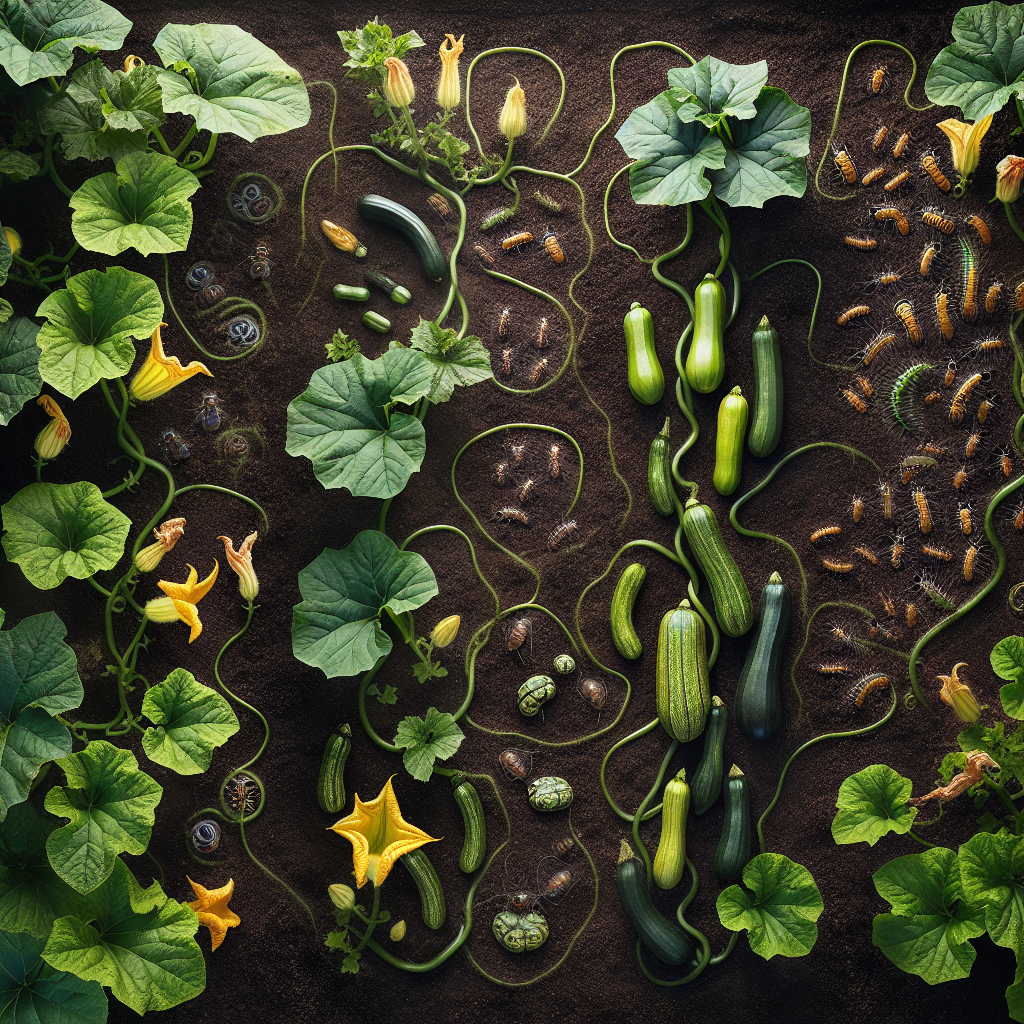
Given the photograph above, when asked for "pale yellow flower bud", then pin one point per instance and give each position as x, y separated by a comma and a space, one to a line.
167, 535
958, 695
449, 90
342, 896
398, 88
398, 931
50, 441
445, 631
512, 122
241, 562
1009, 175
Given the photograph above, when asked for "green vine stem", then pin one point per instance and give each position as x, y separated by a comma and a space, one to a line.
642, 731
814, 310
642, 809
1012, 219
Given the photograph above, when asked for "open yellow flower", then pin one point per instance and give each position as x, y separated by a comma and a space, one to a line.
211, 907
181, 600
159, 373
379, 836
398, 88
50, 441
449, 91
965, 142
512, 120
241, 562
167, 535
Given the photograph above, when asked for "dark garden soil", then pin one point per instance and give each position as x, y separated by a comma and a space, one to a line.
273, 967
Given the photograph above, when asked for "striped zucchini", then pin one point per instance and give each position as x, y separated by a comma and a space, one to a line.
738, 831
766, 427
682, 687
350, 293
376, 322
423, 874
733, 607
705, 362
396, 292
624, 636
670, 859
732, 425
381, 210
644, 374
475, 844
707, 779
330, 789
659, 472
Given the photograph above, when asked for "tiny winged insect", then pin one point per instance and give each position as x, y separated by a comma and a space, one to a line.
242, 794
209, 414
564, 847
175, 449
554, 879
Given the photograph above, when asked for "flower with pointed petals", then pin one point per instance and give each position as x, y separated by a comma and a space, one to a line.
965, 142
448, 89
398, 88
211, 907
379, 836
1009, 176
167, 535
512, 120
50, 441
159, 373
958, 695
181, 600
241, 562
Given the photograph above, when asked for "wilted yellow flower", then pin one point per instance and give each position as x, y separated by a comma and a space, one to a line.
1009, 175
50, 441
449, 91
445, 631
398, 88
159, 373
965, 142
131, 62
241, 562
181, 600
512, 122
958, 695
167, 535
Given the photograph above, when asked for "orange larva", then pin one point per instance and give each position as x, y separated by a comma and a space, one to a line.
880, 341
911, 615
942, 317
970, 558
993, 296
1018, 521
538, 369
885, 493
971, 446
888, 604
519, 238
833, 565
932, 169
930, 399
984, 233
894, 183
927, 258
986, 345
931, 448
950, 376
833, 668
867, 553
825, 531
867, 389
965, 520
959, 403
960, 478
901, 145
934, 219
942, 554
924, 513
857, 508
509, 512
884, 213
863, 688
846, 166
904, 310
986, 406
860, 243
1005, 463
877, 80
849, 314
896, 551
876, 142
855, 400
541, 340
552, 245
873, 175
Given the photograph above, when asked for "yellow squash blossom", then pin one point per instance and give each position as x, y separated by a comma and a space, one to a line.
167, 535
449, 90
445, 631
159, 373
241, 562
1009, 177
512, 121
211, 907
965, 142
398, 88
50, 441
181, 600
379, 836
958, 695
131, 62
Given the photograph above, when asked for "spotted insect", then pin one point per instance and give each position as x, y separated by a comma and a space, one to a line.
863, 244
175, 448
971, 445
833, 668
1018, 519
541, 340
243, 795
502, 473
896, 549
888, 604
891, 214
867, 389
516, 240
516, 763
1004, 462
852, 313
857, 508
517, 451
560, 532
554, 460
879, 137
560, 880
935, 218
504, 322
964, 515
901, 145
873, 175
210, 413
979, 225
553, 246
506, 361
527, 489
940, 554
511, 514
932, 169
844, 164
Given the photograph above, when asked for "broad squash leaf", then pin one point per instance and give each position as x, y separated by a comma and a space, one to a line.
19, 366
992, 877
1007, 659
18, 166
712, 89
435, 737
456, 361
872, 803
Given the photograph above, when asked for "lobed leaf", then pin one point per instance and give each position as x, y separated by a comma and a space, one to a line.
456, 361
992, 877
433, 738
713, 89
19, 365
872, 803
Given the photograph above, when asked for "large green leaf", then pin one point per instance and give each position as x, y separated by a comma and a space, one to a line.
105, 113
58, 530
336, 627
111, 805
90, 326
1005, 748
1007, 659
6, 257
456, 361
712, 89
32, 992
345, 425
984, 67
241, 86
144, 206
38, 37
435, 737
872, 803
19, 366
927, 933
138, 941
780, 918
18, 166
1015, 993
370, 46
992, 877
190, 719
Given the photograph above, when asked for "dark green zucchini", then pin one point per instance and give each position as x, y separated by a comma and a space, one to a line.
734, 847
330, 790
381, 210
706, 784
659, 472
766, 427
417, 863
396, 292
475, 845
759, 690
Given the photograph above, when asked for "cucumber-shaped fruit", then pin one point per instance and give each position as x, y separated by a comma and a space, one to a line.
732, 426
759, 690
706, 784
475, 845
659, 472
643, 371
705, 362
624, 636
670, 859
733, 607
376, 322
682, 687
350, 293
387, 284
381, 210
737, 832
423, 874
766, 425
330, 790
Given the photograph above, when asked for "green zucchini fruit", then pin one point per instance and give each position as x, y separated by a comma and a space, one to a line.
766, 426
381, 210
643, 371
664, 938
423, 874
670, 860
705, 362
387, 284
734, 847
759, 689
659, 472
707, 779
376, 322
350, 293
732, 426
733, 607
624, 636
475, 844
682, 686
330, 789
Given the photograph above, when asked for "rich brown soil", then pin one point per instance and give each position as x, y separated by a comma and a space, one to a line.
273, 967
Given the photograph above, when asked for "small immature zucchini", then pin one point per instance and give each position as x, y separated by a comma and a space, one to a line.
659, 472
664, 938
707, 779
705, 362
766, 427
381, 210
734, 847
732, 426
423, 874
682, 687
670, 859
643, 371
395, 291
475, 844
376, 322
350, 293
330, 789
624, 636
733, 607
759, 689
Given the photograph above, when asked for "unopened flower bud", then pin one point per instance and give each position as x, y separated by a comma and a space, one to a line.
1009, 175
167, 535
398, 88
398, 931
512, 122
342, 896
445, 631
958, 695
50, 441
448, 89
